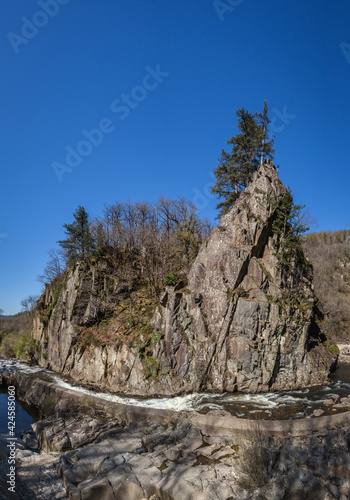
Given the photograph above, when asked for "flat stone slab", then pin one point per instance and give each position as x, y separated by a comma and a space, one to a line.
38, 474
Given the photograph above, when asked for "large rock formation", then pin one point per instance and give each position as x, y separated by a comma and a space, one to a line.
241, 320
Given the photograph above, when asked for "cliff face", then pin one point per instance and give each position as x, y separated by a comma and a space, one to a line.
241, 320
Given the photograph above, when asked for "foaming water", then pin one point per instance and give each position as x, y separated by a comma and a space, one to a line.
287, 404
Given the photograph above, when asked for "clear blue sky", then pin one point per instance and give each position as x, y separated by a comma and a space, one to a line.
69, 70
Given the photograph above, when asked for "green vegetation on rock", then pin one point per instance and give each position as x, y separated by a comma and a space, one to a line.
26, 347
170, 279
250, 148
288, 224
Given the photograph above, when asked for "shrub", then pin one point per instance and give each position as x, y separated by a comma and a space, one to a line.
170, 279
25, 347
158, 336
8, 343
56, 294
254, 457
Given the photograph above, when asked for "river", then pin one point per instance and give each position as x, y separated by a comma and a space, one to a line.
273, 405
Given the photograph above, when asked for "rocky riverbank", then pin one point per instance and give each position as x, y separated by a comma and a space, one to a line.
344, 353
93, 449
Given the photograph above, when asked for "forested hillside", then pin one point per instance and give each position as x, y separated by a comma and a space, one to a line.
329, 253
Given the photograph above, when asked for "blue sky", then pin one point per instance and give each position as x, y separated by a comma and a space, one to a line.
79, 65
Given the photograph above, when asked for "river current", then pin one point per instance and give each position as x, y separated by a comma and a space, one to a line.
273, 405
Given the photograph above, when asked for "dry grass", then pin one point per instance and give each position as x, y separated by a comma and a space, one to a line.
253, 459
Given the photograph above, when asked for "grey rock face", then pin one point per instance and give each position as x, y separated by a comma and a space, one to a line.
239, 321
242, 322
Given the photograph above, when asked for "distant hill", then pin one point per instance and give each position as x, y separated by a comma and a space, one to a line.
15, 322
329, 252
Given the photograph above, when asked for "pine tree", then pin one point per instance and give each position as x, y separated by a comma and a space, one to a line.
79, 243
266, 143
249, 149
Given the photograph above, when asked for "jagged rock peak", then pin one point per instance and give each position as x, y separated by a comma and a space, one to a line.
241, 320
240, 236
247, 322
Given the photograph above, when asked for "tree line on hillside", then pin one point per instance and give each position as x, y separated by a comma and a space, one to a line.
148, 242
15, 331
329, 253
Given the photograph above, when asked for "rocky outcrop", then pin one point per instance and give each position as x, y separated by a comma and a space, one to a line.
245, 321
177, 462
241, 320
174, 455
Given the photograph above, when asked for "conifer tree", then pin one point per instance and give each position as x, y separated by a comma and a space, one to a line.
266, 143
79, 242
250, 148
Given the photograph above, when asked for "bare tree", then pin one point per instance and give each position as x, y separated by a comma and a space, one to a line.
304, 218
28, 305
53, 269
146, 241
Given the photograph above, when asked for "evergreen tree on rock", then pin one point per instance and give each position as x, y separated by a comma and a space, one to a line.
250, 148
79, 242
